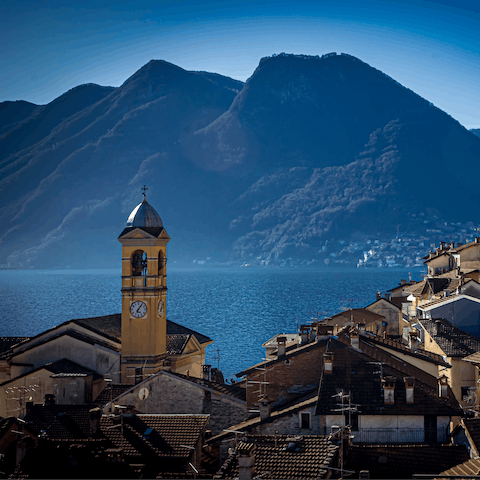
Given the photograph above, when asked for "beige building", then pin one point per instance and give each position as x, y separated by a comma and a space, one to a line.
443, 338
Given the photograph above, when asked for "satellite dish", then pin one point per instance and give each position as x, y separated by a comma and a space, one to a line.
471, 399
143, 393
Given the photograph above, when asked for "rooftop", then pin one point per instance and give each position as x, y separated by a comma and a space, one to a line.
282, 456
453, 341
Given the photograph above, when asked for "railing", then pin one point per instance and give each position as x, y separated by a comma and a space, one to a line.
400, 435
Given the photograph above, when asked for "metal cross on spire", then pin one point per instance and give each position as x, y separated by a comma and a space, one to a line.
144, 190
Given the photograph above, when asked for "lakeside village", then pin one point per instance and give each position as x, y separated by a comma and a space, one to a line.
385, 391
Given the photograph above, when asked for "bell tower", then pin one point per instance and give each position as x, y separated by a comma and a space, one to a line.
144, 293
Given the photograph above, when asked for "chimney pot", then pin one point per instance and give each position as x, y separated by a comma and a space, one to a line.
409, 389
206, 372
281, 349
264, 407
328, 362
443, 386
389, 390
355, 339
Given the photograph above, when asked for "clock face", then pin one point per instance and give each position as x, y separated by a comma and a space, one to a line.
160, 308
138, 309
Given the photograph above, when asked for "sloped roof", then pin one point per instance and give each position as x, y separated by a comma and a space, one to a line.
400, 347
62, 366
8, 342
288, 354
453, 341
60, 422
168, 433
403, 461
468, 468
359, 315
176, 343
472, 425
360, 374
282, 456
446, 300
110, 392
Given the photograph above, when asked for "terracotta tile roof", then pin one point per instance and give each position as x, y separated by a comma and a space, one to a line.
176, 343
176, 329
402, 461
154, 435
8, 342
470, 467
300, 348
110, 392
453, 341
358, 373
282, 456
419, 353
60, 422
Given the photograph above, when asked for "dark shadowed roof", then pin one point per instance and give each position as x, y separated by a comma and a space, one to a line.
155, 435
8, 342
468, 468
59, 368
111, 391
453, 341
60, 422
402, 461
282, 456
176, 343
358, 373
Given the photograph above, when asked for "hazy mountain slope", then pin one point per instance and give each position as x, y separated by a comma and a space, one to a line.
309, 150
476, 131
76, 179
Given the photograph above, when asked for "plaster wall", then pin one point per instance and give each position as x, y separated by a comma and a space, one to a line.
391, 313
428, 367
168, 394
290, 424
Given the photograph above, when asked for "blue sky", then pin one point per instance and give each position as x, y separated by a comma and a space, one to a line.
431, 47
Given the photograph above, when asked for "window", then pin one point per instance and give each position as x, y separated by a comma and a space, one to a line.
352, 420
305, 420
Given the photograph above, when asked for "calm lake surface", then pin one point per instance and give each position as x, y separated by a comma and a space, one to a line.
238, 308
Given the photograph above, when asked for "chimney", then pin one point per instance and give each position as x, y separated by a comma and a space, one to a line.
49, 400
265, 408
206, 372
95, 416
443, 386
442, 244
246, 465
328, 362
379, 295
409, 389
477, 239
413, 340
438, 327
355, 339
403, 281
388, 296
281, 346
304, 333
389, 390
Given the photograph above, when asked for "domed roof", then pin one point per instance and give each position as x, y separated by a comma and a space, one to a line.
144, 215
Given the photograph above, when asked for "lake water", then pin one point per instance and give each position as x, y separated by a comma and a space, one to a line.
238, 308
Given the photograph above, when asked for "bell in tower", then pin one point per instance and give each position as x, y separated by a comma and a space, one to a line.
144, 293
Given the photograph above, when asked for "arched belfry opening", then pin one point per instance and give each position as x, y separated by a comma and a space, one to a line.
139, 263
162, 263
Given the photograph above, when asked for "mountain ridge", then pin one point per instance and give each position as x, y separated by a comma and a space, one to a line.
307, 150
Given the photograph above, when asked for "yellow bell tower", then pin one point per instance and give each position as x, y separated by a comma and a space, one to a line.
144, 293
